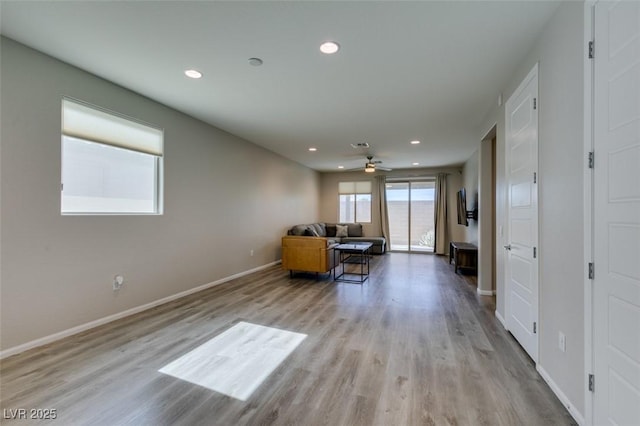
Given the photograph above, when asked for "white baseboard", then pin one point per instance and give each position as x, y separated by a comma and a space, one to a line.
561, 396
502, 321
486, 292
87, 326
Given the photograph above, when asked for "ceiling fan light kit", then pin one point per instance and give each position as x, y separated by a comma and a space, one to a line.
371, 166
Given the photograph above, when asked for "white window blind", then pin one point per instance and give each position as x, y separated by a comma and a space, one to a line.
354, 187
354, 201
88, 123
110, 164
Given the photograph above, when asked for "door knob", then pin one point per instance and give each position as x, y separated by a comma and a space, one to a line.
508, 247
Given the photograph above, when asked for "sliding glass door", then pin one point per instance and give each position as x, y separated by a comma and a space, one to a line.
410, 205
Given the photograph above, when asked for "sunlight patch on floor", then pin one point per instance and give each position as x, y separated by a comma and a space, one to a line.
237, 361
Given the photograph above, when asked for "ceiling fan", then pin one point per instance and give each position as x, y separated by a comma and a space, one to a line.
372, 165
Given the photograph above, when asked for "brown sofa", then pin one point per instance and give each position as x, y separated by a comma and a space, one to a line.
308, 254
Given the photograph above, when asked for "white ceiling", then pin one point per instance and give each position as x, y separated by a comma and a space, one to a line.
406, 70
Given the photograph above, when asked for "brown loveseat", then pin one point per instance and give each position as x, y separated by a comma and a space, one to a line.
308, 254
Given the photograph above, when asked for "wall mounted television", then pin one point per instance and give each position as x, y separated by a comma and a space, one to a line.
462, 208
463, 214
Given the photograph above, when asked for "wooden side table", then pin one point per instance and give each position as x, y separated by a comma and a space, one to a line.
464, 255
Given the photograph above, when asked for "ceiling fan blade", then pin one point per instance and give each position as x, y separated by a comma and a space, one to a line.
361, 169
375, 164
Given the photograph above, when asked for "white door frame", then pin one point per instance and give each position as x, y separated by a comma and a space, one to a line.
588, 206
534, 73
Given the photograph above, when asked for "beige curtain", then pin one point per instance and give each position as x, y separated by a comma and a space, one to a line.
440, 213
381, 182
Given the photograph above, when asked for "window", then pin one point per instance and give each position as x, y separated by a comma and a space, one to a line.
355, 202
110, 164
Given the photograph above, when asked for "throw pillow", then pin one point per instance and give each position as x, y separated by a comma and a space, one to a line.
310, 232
331, 230
354, 229
319, 228
298, 229
342, 231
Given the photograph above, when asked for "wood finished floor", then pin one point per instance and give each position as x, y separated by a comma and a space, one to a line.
413, 345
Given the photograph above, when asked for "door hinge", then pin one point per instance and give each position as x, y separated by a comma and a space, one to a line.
535, 327
535, 177
62, 187
535, 252
592, 383
535, 103
591, 271
592, 50
592, 159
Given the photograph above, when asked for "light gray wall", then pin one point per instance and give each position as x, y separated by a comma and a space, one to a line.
329, 196
470, 183
559, 51
223, 197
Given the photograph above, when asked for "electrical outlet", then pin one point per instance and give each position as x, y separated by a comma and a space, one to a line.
118, 281
251, 252
562, 341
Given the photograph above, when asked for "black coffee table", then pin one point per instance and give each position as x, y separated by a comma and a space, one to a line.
347, 253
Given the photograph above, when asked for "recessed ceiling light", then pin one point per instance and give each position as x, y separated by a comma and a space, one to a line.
256, 62
415, 142
329, 47
193, 74
341, 167
312, 149
415, 164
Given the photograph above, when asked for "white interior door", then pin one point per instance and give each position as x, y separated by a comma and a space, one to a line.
616, 287
522, 214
